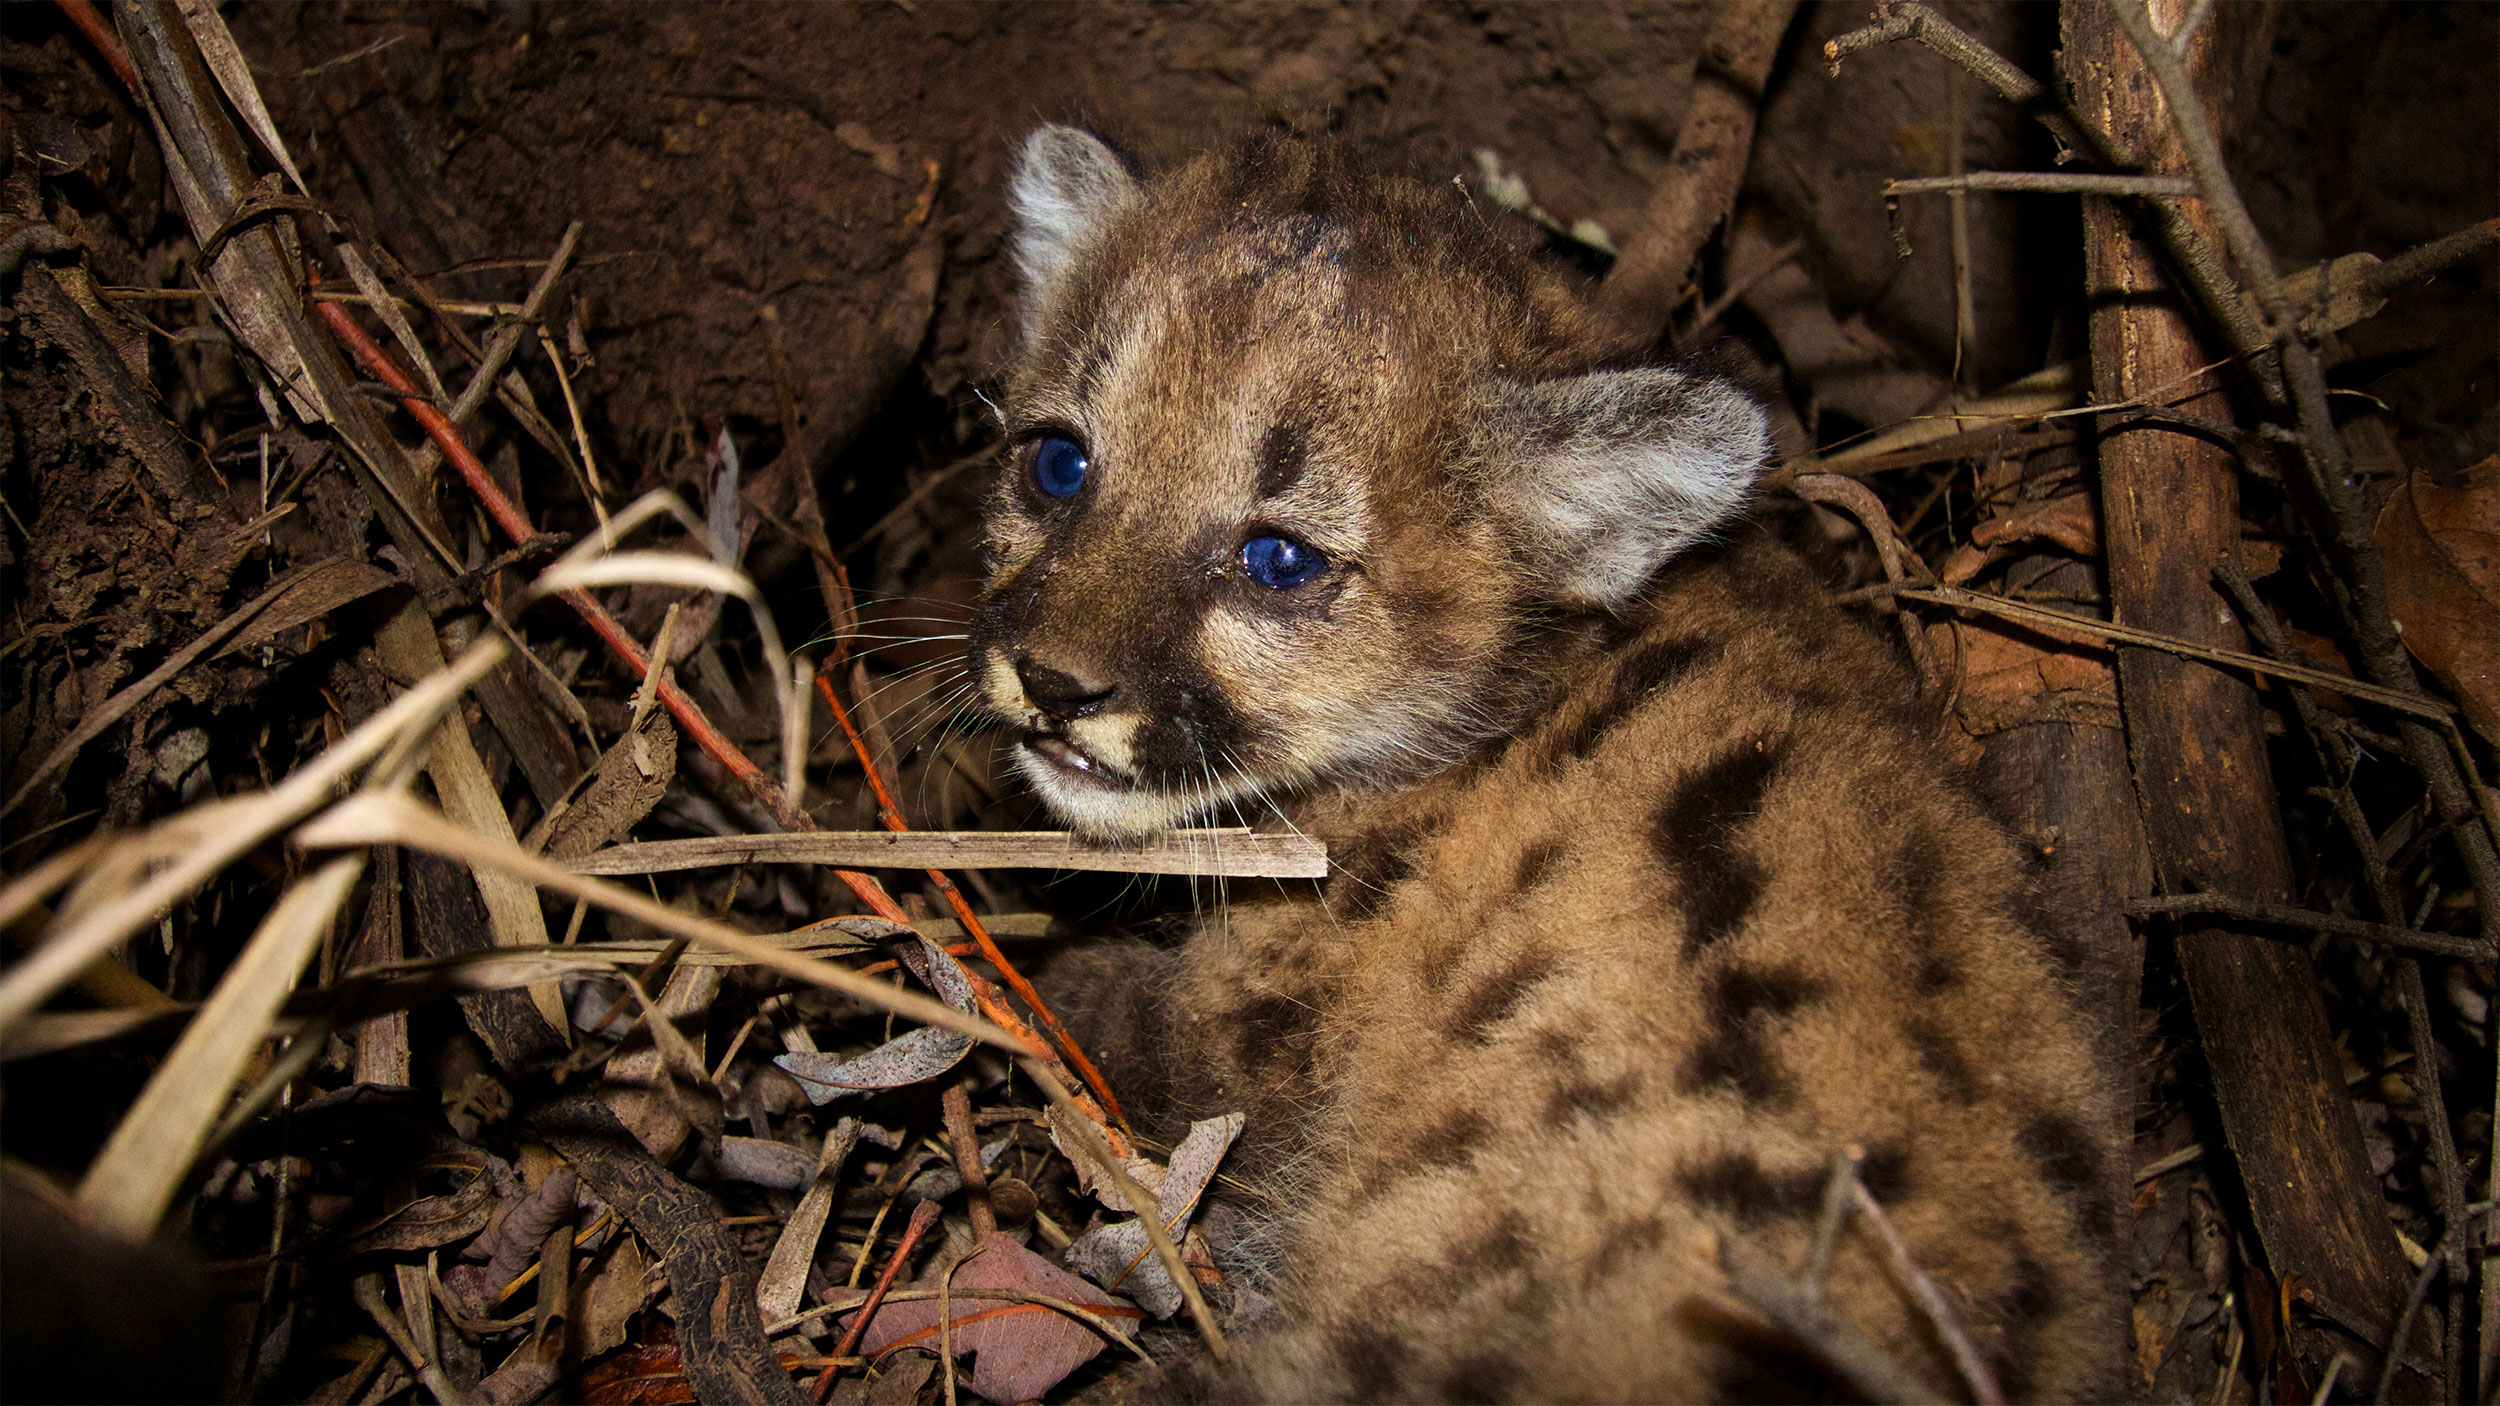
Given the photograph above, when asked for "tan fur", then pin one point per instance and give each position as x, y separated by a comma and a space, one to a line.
1643, 912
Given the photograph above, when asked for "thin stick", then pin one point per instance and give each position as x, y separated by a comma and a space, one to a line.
2086, 628
1849, 1353
966, 1145
2047, 182
1983, 1383
1861, 503
2414, 1297
1836, 1206
1098, 1317
1224, 853
2223, 905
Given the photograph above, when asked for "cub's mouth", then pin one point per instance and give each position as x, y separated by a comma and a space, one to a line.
1067, 758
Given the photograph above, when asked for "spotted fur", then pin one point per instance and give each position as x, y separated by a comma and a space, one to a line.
1653, 893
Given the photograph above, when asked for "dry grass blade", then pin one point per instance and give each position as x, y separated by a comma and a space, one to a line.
1200, 853
218, 834
408, 645
396, 820
130, 1183
30, 889
225, 59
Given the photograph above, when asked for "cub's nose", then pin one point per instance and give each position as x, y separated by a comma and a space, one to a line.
1062, 696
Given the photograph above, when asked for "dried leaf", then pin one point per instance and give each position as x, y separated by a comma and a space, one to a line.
2442, 544
526, 1226
1119, 1256
431, 1221
784, 1280
606, 1301
310, 594
764, 1162
660, 1091
642, 1376
225, 59
908, 1058
409, 647
720, 515
630, 779
1020, 1350
1098, 1183
2068, 521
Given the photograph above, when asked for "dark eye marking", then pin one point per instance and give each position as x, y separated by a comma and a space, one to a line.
1281, 563
1059, 466
1281, 458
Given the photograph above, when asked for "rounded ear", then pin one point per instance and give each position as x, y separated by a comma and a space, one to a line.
1067, 184
1604, 477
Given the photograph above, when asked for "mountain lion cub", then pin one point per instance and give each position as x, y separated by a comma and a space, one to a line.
1652, 892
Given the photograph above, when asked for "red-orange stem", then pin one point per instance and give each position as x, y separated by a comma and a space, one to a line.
923, 1216
516, 525
100, 34
892, 816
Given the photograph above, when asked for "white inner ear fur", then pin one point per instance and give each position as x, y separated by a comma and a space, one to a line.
1606, 476
1067, 184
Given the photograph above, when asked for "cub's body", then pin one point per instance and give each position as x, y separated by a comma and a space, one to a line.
1653, 895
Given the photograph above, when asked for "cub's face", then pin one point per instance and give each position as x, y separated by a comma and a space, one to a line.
1294, 454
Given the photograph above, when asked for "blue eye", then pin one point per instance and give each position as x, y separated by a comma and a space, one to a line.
1059, 467
1281, 562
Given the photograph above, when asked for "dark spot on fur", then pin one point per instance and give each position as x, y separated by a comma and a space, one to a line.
1452, 1142
1939, 1055
1270, 1028
1736, 1062
2067, 1155
1373, 1362
1935, 974
1643, 672
1503, 1245
1481, 1380
1372, 865
1886, 1173
1586, 1098
1537, 861
1738, 993
1694, 833
2031, 1298
1735, 1053
1659, 663
1737, 1184
2027, 1305
1281, 458
1496, 997
1558, 1049
1912, 878
1629, 1239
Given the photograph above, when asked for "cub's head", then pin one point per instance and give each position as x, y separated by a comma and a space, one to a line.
1296, 455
